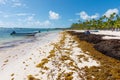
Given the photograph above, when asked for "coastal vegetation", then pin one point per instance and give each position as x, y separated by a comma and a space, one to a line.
104, 22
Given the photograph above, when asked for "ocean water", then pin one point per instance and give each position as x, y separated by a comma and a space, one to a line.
7, 40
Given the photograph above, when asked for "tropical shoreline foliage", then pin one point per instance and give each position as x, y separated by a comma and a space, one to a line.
104, 22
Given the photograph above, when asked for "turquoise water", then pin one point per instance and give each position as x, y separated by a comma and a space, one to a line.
7, 40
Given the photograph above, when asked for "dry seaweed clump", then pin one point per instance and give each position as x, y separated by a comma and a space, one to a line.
115, 73
43, 62
52, 53
30, 77
65, 76
109, 68
68, 76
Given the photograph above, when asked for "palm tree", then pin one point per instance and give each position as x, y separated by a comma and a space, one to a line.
111, 20
102, 23
79, 21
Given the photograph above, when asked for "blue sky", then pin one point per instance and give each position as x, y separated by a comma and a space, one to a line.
53, 13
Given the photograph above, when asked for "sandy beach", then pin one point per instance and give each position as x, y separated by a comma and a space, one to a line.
108, 34
52, 40
16, 63
55, 56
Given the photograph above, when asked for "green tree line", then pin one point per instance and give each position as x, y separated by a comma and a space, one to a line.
103, 22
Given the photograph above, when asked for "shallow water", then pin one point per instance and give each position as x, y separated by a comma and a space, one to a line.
7, 40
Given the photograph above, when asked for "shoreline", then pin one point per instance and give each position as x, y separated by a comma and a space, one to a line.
17, 62
7, 38
21, 40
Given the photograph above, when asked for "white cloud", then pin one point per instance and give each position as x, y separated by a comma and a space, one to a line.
95, 16
31, 21
37, 23
13, 3
53, 15
26, 24
46, 23
6, 24
24, 14
70, 19
6, 16
15, 0
18, 4
3, 1
21, 14
30, 18
25, 21
27, 16
85, 16
1, 12
111, 11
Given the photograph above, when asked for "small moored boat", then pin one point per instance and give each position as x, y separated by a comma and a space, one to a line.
24, 34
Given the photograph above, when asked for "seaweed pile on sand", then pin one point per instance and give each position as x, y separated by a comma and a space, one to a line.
66, 61
108, 47
76, 59
109, 67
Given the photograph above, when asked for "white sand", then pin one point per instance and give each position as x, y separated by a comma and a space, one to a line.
18, 62
108, 33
